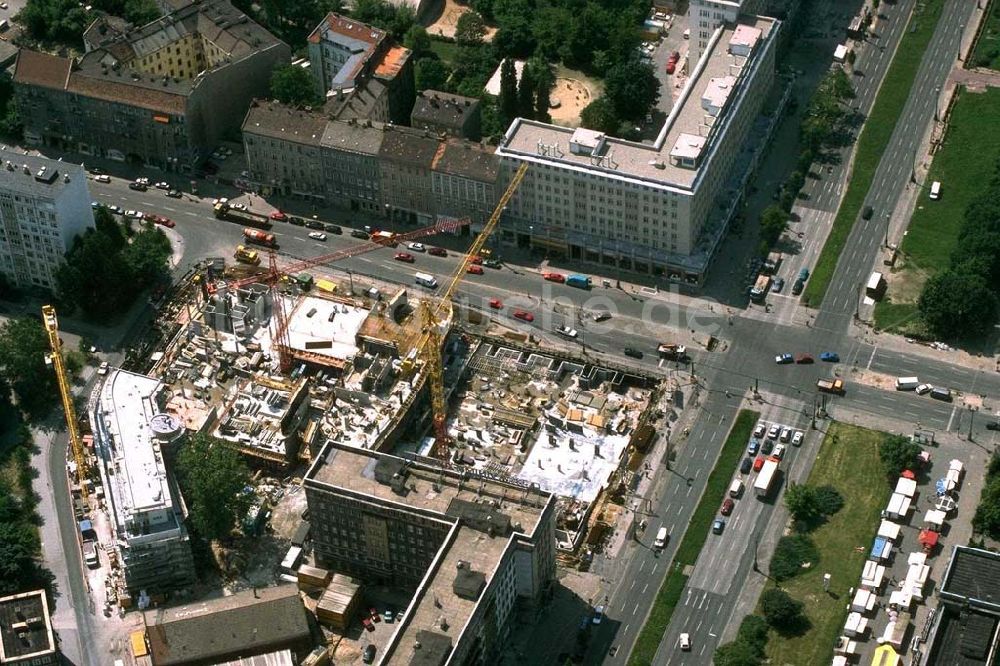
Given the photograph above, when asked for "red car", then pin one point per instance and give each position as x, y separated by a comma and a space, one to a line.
375, 616
368, 624
727, 507
475, 270
803, 358
554, 277
476, 260
672, 62
164, 221
758, 463
523, 315
496, 303
404, 256
278, 216
437, 251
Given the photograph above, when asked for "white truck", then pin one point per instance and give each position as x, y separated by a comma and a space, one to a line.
765, 478
567, 332
426, 280
907, 383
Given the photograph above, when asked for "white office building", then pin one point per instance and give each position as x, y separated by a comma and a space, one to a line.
44, 205
706, 16
659, 208
143, 503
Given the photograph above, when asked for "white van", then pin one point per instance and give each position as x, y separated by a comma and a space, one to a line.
907, 383
425, 280
736, 488
936, 190
661, 538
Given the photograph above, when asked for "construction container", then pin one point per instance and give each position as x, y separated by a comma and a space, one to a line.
339, 603
313, 577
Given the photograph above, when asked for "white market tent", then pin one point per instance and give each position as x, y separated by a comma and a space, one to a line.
889, 530
856, 625
906, 487
916, 558
956, 465
900, 599
898, 507
864, 601
934, 518
873, 575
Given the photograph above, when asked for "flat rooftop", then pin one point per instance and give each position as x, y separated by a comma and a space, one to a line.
973, 574
331, 330
25, 629
651, 163
125, 414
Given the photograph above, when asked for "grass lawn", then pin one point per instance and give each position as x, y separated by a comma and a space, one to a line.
848, 460
872, 143
446, 51
966, 158
987, 53
694, 538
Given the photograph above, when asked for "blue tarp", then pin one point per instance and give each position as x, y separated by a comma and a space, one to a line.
942, 486
880, 549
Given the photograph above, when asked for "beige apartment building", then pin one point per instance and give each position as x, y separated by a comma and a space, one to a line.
654, 208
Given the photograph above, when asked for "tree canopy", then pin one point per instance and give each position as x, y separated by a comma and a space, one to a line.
294, 85
632, 89
23, 348
470, 28
213, 478
600, 115
780, 610
898, 453
394, 19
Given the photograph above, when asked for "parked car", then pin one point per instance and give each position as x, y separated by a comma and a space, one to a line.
296, 220
317, 235
438, 252
601, 316
786, 434
598, 615
993, 425
477, 260
404, 257
174, 194
554, 277
746, 465
777, 285
798, 287
727, 507
314, 224
803, 359
767, 446
164, 221
523, 315
367, 623
368, 656
375, 615
804, 274
416, 247
830, 357
332, 229
103, 178
93, 171
103, 370
753, 447
797, 438
492, 263
923, 388
162, 185
684, 642
773, 431
496, 303
718, 525
278, 216
760, 429
784, 359
355, 233
474, 270
388, 616
633, 353
758, 463
779, 451
138, 187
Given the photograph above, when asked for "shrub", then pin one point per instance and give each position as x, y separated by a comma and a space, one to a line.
790, 554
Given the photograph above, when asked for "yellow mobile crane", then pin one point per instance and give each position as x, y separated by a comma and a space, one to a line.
56, 358
429, 346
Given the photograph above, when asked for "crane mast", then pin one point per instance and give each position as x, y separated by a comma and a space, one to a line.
52, 329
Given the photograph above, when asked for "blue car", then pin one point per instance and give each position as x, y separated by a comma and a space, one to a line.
804, 274
777, 285
782, 359
830, 357
753, 447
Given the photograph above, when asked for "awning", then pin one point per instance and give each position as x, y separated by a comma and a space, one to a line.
889, 530
928, 539
907, 474
934, 517
907, 487
885, 655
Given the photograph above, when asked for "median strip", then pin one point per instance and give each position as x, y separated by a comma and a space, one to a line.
694, 538
872, 142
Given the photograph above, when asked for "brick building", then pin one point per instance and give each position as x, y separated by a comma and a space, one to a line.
445, 113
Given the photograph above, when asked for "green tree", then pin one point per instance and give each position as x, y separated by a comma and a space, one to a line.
773, 222
55, 22
830, 500
213, 478
802, 503
632, 89
600, 115
781, 611
508, 90
147, 255
293, 85
753, 632
736, 653
431, 74
18, 548
418, 41
790, 554
396, 20
23, 348
470, 28
958, 303
987, 517
514, 38
898, 453
526, 95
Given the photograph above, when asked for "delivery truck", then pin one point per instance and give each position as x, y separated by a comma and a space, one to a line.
907, 383
224, 211
835, 386
672, 351
578, 281
765, 478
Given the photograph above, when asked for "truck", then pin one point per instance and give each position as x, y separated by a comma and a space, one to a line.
907, 383
426, 280
224, 211
90, 554
875, 286
245, 255
759, 289
772, 264
672, 351
578, 281
765, 478
386, 238
258, 237
567, 332
835, 386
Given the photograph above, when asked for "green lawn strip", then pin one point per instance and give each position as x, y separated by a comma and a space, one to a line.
971, 143
848, 460
447, 52
987, 53
902, 318
872, 143
694, 538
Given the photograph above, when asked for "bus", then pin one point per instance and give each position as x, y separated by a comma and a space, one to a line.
765, 478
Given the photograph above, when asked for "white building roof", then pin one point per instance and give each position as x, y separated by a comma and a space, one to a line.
332, 329
493, 85
745, 37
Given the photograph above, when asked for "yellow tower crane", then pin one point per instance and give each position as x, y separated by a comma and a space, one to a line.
56, 358
429, 346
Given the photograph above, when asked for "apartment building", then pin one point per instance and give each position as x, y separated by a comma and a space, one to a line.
448, 114
659, 208
474, 550
26, 636
706, 16
44, 205
360, 72
164, 93
130, 435
401, 172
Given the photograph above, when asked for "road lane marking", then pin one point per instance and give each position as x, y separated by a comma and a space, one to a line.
951, 418
636, 609
871, 358
187, 212
632, 585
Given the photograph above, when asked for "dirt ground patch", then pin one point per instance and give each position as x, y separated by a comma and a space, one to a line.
571, 93
442, 18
